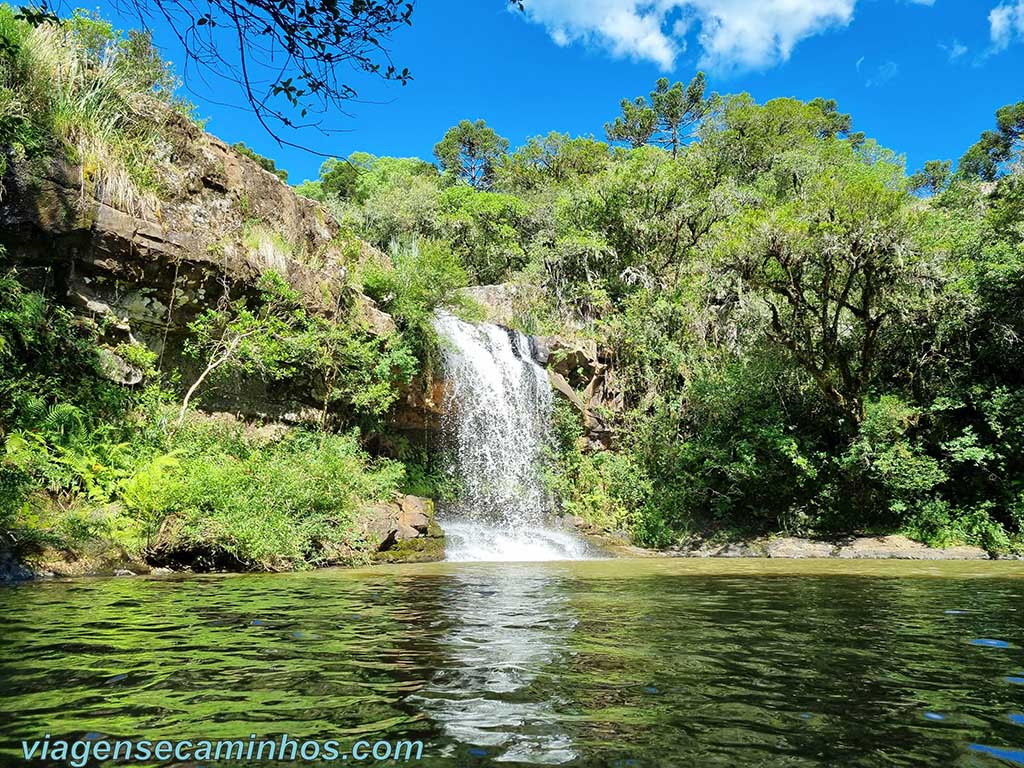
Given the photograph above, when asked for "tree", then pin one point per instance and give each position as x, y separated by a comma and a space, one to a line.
339, 178
673, 113
836, 266
780, 137
470, 151
636, 125
996, 151
268, 340
263, 162
287, 56
933, 178
556, 158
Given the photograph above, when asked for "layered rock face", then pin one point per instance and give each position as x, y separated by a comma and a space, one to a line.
147, 269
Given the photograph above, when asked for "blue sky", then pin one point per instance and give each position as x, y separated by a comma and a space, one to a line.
923, 77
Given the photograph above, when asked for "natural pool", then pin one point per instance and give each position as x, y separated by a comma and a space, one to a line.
595, 663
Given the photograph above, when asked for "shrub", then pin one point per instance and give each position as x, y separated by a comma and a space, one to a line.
271, 506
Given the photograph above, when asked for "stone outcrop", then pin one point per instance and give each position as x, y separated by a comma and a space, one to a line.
421, 406
797, 548
902, 548
583, 375
147, 269
403, 530
793, 548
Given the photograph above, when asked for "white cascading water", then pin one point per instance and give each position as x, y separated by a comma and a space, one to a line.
497, 419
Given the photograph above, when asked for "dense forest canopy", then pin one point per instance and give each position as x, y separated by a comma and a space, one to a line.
800, 336
806, 338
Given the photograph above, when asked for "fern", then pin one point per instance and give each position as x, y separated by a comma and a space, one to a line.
63, 422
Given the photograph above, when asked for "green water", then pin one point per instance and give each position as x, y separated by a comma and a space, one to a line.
618, 663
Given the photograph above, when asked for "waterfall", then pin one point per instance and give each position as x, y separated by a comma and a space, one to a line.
497, 424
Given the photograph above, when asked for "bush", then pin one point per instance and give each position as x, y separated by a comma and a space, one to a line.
424, 276
271, 506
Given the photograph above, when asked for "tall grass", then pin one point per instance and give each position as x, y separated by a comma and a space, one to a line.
97, 102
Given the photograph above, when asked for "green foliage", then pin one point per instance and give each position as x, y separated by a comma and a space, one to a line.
486, 231
263, 162
423, 276
471, 152
271, 506
836, 265
339, 179
671, 117
84, 460
933, 178
80, 88
994, 153
553, 159
275, 338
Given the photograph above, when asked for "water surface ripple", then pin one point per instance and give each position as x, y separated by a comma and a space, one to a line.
599, 663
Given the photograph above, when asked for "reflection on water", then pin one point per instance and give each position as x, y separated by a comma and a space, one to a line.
643, 663
507, 627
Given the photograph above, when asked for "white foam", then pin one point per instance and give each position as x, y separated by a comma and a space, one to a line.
497, 419
469, 541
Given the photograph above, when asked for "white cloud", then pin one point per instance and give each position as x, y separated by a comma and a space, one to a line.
1006, 22
732, 34
954, 50
883, 74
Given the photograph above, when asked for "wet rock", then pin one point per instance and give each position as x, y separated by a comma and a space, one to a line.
561, 386
420, 407
791, 547
12, 570
123, 572
902, 548
578, 374
540, 350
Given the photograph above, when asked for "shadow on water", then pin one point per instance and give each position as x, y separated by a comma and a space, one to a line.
582, 664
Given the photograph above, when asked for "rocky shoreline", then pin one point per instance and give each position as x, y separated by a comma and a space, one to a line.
887, 547
402, 530
405, 543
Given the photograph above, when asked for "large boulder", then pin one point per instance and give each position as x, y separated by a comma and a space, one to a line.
403, 530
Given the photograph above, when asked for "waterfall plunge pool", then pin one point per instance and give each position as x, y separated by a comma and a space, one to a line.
660, 662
